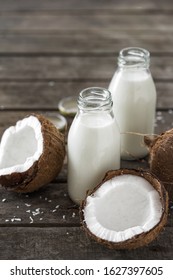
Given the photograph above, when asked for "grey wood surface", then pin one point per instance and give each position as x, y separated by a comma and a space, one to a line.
53, 49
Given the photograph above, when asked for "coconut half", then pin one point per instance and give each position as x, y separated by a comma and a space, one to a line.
127, 210
31, 154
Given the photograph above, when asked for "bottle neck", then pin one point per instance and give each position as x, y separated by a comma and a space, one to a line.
95, 99
132, 58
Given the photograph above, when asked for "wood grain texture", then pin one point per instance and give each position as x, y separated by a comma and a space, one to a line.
90, 42
68, 68
45, 22
46, 95
72, 243
80, 27
21, 5
49, 206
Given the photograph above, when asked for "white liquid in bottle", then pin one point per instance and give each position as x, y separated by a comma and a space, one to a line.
93, 149
134, 98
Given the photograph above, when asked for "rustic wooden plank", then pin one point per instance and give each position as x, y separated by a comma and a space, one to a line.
44, 22
93, 42
68, 68
46, 95
20, 5
34, 95
72, 243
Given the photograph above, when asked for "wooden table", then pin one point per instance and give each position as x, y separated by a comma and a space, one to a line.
52, 49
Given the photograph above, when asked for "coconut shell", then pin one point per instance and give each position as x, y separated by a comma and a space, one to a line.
141, 239
46, 168
161, 158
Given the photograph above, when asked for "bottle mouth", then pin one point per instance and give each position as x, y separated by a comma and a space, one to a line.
134, 57
95, 98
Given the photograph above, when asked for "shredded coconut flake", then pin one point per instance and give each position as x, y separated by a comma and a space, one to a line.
73, 215
36, 212
18, 219
159, 118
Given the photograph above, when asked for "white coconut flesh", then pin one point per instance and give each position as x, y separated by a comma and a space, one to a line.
21, 145
122, 208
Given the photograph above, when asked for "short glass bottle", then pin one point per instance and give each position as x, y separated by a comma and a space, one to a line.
134, 97
93, 145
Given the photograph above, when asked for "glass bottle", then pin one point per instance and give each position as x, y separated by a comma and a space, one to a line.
93, 142
134, 98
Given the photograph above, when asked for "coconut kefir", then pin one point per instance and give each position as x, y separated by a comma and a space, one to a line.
93, 143
134, 98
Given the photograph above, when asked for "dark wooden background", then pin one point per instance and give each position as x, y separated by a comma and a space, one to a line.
51, 49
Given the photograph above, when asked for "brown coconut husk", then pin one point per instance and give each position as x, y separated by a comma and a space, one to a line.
46, 168
161, 158
141, 239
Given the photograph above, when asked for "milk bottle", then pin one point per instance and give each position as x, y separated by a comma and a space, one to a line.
93, 142
134, 98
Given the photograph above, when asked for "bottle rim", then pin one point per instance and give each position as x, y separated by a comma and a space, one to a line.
134, 57
95, 98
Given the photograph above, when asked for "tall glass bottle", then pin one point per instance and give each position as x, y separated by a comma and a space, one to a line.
134, 98
93, 142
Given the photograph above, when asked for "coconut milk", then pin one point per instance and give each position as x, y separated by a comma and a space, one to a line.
134, 99
93, 149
